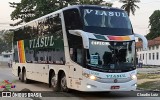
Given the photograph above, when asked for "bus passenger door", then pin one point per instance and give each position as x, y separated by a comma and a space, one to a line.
71, 76
75, 70
71, 67
76, 56
71, 71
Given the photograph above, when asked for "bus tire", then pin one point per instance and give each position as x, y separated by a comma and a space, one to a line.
25, 78
54, 83
63, 83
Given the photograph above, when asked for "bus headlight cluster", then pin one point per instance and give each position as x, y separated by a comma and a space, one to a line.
134, 77
92, 77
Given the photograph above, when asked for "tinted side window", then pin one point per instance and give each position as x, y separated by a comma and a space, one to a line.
18, 34
15, 55
43, 41
72, 19
47, 45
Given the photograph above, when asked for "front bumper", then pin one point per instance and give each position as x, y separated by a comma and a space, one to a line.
91, 85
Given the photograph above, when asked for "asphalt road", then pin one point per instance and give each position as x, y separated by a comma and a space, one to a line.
5, 74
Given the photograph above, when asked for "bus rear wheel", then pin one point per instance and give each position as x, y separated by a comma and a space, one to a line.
54, 83
25, 78
21, 77
64, 87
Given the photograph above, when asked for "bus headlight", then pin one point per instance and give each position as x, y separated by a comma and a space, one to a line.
134, 77
92, 77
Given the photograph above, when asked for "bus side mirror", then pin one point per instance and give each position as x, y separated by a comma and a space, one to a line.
144, 40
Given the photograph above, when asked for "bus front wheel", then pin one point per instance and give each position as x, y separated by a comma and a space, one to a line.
54, 83
25, 78
64, 87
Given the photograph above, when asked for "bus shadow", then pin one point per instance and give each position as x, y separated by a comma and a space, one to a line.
108, 94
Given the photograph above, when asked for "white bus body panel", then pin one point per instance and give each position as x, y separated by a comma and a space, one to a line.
75, 79
38, 72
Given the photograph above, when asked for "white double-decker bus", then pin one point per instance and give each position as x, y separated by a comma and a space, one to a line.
85, 48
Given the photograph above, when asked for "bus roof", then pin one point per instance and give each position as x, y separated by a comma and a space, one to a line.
94, 6
66, 8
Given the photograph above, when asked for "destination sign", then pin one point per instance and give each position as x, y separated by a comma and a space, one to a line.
105, 13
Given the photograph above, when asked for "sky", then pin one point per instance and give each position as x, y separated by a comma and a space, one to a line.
140, 21
5, 12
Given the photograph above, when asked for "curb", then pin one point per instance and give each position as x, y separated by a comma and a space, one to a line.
142, 89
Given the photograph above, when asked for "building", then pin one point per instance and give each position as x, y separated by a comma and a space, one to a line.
152, 55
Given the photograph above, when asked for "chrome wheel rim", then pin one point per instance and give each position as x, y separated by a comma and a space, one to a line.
25, 76
53, 81
63, 83
20, 75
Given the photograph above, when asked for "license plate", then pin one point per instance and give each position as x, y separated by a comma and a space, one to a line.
115, 87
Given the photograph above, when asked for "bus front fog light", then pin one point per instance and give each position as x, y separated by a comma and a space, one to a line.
134, 85
134, 77
89, 86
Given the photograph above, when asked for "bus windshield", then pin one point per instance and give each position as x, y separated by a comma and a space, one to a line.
106, 21
110, 56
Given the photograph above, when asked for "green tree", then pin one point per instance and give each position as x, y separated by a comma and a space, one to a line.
129, 6
6, 41
2, 44
94, 2
28, 10
154, 23
7, 38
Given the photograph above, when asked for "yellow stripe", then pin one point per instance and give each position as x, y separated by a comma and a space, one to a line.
126, 38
